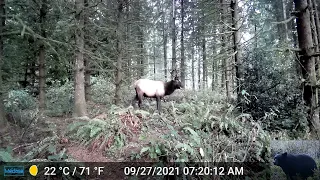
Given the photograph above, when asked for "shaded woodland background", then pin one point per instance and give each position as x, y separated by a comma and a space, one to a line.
250, 72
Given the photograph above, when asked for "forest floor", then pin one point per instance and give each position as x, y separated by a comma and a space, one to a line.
21, 139
76, 151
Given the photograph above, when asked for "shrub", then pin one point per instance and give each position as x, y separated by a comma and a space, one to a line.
60, 99
18, 100
102, 90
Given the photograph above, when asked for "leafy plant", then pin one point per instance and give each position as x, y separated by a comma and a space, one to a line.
18, 100
59, 99
6, 155
155, 150
97, 131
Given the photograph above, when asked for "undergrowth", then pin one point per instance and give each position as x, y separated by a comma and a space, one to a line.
192, 128
59, 99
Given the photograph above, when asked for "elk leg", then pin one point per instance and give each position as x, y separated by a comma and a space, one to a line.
158, 103
139, 99
134, 100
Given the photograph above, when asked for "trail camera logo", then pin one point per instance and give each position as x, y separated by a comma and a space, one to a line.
13, 171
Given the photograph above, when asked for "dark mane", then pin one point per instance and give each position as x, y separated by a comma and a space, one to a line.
169, 87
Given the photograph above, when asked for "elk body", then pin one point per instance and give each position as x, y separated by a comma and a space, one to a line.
154, 89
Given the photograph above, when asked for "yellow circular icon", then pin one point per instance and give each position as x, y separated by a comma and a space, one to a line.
33, 170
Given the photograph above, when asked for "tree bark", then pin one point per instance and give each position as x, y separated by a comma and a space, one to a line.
87, 75
141, 59
128, 65
214, 62
317, 33
293, 30
236, 45
204, 63
192, 67
174, 38
316, 14
193, 38
225, 63
204, 53
199, 67
42, 51
119, 52
308, 64
79, 93
182, 65
222, 43
278, 8
315, 39
3, 120
154, 61
284, 12
165, 41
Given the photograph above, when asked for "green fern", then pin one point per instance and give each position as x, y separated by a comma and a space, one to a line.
6, 155
75, 125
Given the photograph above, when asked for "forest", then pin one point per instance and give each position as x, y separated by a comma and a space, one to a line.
189, 81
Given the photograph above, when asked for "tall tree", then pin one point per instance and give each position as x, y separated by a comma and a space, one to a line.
225, 62
87, 72
165, 40
316, 25
140, 35
79, 93
42, 51
280, 14
3, 121
314, 37
308, 63
236, 44
174, 38
182, 64
204, 53
199, 64
192, 58
284, 12
119, 47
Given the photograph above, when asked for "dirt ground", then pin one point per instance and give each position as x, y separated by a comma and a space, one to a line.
19, 138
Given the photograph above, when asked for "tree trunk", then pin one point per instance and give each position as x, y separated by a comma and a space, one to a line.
154, 61
182, 65
204, 53
314, 37
213, 69
317, 33
141, 62
284, 4
165, 39
204, 61
119, 52
3, 120
42, 51
199, 68
222, 51
127, 40
79, 94
277, 6
225, 62
87, 75
316, 13
193, 38
293, 30
308, 64
236, 45
192, 67
174, 58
